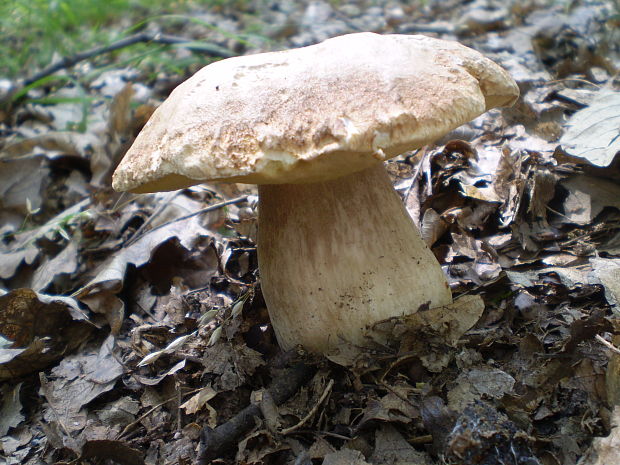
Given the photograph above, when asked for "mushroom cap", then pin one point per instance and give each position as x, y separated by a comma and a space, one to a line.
312, 114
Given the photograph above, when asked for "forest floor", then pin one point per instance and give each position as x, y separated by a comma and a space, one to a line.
132, 327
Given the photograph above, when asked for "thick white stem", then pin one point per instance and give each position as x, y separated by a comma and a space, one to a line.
338, 256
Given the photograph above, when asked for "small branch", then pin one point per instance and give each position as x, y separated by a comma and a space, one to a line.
140, 37
326, 392
161, 207
607, 344
432, 28
210, 208
134, 423
214, 442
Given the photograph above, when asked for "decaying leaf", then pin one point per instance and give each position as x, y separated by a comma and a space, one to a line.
256, 448
484, 434
393, 407
21, 181
66, 262
233, 362
10, 261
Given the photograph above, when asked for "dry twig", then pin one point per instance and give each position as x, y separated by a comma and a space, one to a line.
312, 411
140, 37
139, 232
607, 344
213, 442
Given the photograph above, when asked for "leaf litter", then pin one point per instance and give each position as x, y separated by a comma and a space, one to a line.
133, 330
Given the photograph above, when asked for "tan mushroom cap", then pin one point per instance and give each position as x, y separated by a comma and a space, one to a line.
312, 114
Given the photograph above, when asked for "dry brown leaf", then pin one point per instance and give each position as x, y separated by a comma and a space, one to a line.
450, 321
201, 400
42, 329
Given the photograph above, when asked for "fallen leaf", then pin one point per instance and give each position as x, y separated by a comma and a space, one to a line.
11, 260
391, 447
586, 197
592, 133
450, 321
480, 381
607, 270
10, 412
42, 330
23, 181
66, 262
169, 349
152, 381
100, 293
76, 381
199, 400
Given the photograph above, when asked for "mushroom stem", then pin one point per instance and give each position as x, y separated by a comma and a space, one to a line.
336, 257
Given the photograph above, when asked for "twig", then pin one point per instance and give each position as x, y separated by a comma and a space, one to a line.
142, 417
398, 394
326, 433
210, 208
162, 205
397, 362
347, 20
140, 37
607, 344
151, 410
312, 411
426, 439
213, 442
433, 28
585, 81
179, 402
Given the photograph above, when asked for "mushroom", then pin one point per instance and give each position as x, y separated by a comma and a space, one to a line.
337, 250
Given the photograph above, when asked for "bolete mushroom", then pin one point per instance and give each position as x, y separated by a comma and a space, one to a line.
337, 250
